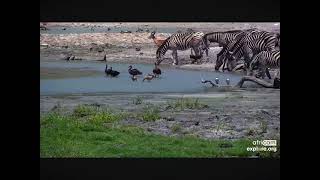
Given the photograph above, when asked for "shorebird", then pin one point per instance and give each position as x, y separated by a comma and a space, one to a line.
217, 80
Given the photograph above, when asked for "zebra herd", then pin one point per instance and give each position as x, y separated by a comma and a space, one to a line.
253, 48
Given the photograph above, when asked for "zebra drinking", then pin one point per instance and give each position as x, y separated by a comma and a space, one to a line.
264, 60
250, 45
181, 41
227, 39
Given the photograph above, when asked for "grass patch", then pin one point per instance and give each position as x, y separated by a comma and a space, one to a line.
97, 115
138, 100
84, 110
149, 113
263, 126
186, 103
67, 136
176, 128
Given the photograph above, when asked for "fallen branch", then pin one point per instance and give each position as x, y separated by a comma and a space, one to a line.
208, 81
276, 82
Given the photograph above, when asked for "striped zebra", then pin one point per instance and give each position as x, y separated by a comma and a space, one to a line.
182, 42
250, 45
264, 60
224, 39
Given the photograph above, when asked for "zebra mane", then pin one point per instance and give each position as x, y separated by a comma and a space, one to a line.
162, 45
236, 42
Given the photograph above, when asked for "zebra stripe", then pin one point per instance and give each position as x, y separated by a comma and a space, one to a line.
181, 41
250, 45
227, 39
264, 60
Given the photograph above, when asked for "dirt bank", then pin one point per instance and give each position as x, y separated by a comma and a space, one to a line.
228, 115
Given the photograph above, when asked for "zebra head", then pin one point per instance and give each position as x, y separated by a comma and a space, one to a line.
152, 35
230, 55
231, 60
219, 62
254, 65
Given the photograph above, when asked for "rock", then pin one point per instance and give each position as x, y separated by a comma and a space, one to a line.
141, 53
108, 29
125, 31
196, 123
139, 30
67, 58
72, 58
43, 28
190, 30
169, 118
64, 28
44, 45
138, 48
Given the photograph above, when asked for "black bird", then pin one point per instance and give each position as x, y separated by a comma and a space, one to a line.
113, 73
107, 71
134, 72
134, 78
156, 70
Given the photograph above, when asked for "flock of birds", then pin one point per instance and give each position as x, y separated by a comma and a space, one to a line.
134, 73
156, 73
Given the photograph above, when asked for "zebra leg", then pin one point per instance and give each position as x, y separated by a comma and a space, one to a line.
248, 56
278, 74
268, 73
175, 57
263, 72
197, 52
224, 64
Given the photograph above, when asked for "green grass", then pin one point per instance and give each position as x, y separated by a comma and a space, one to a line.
94, 132
186, 103
149, 113
176, 128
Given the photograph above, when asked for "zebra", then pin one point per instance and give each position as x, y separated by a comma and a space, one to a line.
224, 39
181, 41
248, 46
264, 60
